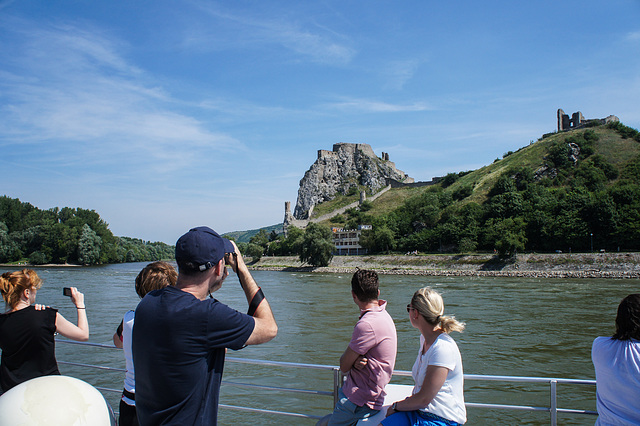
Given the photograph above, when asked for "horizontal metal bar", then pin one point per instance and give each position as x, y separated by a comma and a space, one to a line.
97, 345
400, 373
528, 408
571, 411
506, 407
282, 413
526, 379
277, 388
280, 363
99, 367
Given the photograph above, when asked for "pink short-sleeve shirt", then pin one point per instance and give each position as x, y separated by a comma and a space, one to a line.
374, 336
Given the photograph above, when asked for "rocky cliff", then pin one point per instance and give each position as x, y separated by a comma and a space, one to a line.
336, 172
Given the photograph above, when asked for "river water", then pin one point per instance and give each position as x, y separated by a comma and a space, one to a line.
515, 326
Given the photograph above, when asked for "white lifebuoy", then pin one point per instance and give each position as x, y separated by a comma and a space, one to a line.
55, 400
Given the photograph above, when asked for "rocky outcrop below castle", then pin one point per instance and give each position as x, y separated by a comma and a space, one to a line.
337, 172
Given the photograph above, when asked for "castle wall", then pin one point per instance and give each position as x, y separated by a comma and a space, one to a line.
325, 153
289, 220
578, 121
411, 184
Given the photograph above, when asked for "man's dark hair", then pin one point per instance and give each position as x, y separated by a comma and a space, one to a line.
188, 268
628, 318
364, 284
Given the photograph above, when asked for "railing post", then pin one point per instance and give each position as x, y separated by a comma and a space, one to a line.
336, 384
554, 402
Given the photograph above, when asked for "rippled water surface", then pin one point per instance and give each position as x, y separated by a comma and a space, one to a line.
520, 327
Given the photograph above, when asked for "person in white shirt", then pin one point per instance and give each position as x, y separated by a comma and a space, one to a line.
154, 276
616, 361
437, 397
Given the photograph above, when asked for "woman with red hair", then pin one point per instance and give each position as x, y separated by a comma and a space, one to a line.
27, 329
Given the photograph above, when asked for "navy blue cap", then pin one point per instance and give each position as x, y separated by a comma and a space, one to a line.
202, 248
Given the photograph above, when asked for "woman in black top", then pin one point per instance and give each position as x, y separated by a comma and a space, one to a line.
27, 329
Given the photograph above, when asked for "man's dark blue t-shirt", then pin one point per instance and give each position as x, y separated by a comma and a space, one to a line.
179, 346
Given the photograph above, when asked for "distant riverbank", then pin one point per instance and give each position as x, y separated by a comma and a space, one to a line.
548, 265
47, 265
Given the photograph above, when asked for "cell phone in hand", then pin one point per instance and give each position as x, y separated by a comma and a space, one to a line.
66, 291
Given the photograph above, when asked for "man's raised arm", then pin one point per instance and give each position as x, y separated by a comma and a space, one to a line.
265, 323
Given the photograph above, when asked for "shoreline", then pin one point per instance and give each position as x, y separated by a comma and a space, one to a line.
556, 265
529, 265
46, 265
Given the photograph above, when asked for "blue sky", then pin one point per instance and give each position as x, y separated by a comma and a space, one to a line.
164, 115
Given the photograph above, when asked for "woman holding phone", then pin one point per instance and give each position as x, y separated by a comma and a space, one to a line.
27, 329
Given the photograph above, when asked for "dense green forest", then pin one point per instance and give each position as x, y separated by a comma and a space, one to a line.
67, 235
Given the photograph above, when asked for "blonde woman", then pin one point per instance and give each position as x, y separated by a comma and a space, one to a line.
437, 397
27, 329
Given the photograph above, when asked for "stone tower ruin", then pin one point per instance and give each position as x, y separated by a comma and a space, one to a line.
577, 120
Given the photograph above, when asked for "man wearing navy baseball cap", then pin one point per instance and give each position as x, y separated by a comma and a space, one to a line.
181, 333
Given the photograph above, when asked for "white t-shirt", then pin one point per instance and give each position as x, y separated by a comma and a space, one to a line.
449, 401
617, 365
129, 377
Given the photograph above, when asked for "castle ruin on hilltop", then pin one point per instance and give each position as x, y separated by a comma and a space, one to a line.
577, 121
347, 167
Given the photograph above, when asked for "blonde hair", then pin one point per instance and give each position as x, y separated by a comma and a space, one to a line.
13, 284
155, 276
430, 305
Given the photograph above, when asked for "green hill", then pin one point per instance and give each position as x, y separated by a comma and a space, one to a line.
617, 150
537, 198
245, 236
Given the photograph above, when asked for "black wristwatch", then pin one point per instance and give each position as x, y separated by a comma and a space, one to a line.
394, 406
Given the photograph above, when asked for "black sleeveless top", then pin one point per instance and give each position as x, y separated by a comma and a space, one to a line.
28, 346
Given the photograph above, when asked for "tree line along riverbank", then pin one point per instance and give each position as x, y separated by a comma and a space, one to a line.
545, 265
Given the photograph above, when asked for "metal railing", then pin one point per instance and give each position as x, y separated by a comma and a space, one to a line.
337, 379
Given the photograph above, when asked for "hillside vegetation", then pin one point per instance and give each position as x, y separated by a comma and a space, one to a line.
245, 236
67, 235
571, 191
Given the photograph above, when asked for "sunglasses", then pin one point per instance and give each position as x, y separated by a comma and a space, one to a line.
409, 308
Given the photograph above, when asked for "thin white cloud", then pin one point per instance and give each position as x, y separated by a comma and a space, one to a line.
252, 31
366, 105
246, 110
633, 36
74, 89
398, 73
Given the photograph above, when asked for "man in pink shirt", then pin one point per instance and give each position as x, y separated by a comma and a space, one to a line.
370, 357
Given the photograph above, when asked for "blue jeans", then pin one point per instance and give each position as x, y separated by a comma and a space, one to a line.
347, 413
416, 418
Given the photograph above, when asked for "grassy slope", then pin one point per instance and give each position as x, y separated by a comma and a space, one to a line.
611, 145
